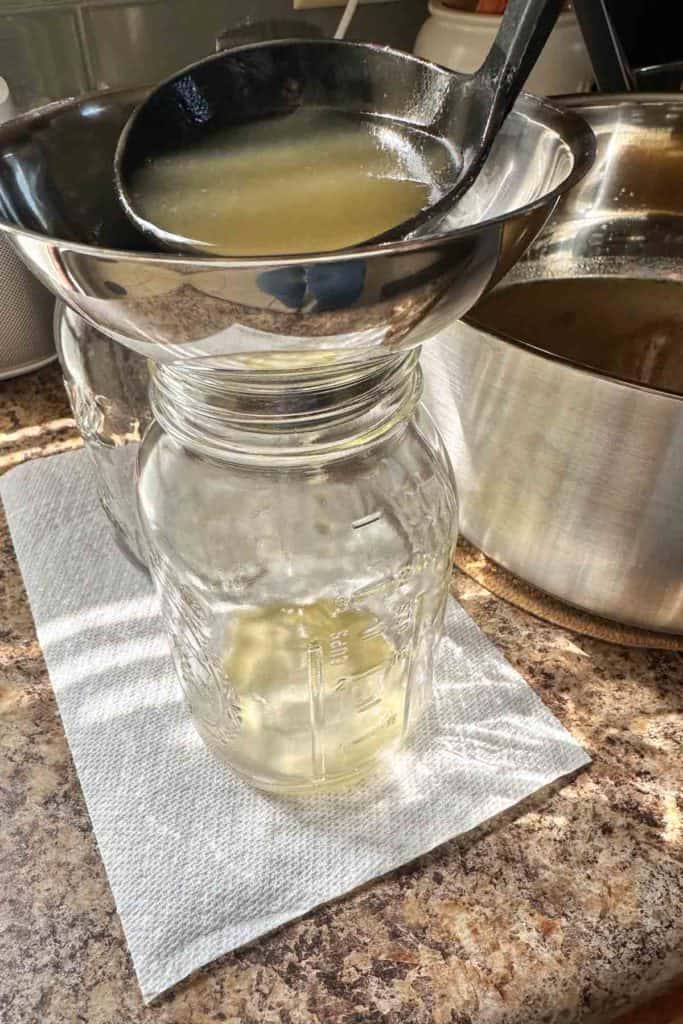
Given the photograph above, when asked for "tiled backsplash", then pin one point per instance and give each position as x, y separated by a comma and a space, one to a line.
51, 49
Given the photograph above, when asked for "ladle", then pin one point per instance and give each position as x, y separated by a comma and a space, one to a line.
455, 118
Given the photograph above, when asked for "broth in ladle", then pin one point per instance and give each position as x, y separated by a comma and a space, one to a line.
311, 181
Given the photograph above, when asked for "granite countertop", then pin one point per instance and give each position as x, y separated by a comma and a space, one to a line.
567, 909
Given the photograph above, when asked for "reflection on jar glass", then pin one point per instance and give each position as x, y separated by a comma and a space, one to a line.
108, 387
300, 529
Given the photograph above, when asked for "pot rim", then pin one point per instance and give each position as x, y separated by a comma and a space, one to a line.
571, 364
578, 102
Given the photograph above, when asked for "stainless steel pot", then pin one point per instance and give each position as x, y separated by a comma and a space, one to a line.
571, 476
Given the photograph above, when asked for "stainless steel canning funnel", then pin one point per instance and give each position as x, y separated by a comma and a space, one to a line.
59, 210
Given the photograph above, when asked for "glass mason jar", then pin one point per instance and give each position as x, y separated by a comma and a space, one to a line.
300, 529
108, 389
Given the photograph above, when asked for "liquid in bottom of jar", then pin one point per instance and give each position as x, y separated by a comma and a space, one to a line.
317, 695
310, 181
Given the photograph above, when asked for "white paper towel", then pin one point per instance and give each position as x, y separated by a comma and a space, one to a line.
199, 862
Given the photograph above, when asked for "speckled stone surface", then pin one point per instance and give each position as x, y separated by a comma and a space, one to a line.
567, 909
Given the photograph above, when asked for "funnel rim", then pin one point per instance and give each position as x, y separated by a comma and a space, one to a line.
572, 129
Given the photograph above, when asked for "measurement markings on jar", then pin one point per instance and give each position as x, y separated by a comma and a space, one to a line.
368, 520
372, 631
339, 647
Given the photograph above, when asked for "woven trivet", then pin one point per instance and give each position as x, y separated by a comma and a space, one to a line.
502, 583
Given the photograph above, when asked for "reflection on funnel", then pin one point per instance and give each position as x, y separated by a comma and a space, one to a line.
323, 288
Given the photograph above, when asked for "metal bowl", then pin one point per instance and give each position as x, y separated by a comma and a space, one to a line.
570, 470
59, 210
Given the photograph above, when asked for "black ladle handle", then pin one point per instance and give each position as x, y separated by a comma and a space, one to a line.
611, 67
523, 32
475, 111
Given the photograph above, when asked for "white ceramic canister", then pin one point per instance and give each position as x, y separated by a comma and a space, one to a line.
461, 39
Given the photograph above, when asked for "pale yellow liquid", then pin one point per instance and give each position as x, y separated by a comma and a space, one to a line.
310, 182
318, 694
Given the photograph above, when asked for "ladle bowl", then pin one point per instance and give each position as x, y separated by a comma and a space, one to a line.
430, 125
59, 210
293, 88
